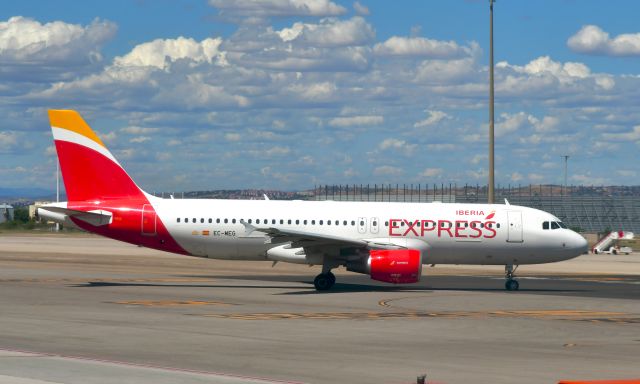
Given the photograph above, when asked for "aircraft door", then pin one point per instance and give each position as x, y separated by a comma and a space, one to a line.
515, 227
375, 225
362, 225
148, 220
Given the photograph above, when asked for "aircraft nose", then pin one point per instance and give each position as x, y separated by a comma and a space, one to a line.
580, 244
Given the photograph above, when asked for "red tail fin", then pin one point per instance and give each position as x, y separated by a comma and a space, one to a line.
89, 170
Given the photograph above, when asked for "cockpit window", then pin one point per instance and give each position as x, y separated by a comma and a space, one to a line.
562, 225
554, 225
545, 225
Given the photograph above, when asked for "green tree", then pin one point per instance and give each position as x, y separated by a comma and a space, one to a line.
21, 215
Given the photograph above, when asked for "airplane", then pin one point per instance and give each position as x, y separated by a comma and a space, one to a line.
389, 241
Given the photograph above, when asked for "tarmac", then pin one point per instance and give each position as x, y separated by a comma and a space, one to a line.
84, 309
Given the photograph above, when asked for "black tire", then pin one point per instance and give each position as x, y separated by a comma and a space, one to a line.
512, 285
323, 282
614, 252
332, 277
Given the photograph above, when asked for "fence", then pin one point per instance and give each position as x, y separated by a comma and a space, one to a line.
587, 208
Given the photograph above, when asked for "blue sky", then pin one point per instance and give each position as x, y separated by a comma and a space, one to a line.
286, 94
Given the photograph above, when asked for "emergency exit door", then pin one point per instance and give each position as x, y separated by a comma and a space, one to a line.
514, 234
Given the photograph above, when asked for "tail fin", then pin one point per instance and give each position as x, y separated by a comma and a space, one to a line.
89, 170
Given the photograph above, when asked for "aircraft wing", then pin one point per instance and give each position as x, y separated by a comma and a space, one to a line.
311, 239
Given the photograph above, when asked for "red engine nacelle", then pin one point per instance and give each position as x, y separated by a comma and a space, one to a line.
402, 266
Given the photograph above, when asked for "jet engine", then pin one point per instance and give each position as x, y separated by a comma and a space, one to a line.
401, 266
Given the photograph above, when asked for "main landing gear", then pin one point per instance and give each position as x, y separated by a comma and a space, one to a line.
324, 281
509, 272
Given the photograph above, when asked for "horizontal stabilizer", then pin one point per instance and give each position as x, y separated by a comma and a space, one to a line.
97, 218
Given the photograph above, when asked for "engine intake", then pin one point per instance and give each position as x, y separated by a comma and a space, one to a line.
402, 266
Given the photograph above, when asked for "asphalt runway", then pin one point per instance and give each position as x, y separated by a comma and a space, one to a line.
82, 309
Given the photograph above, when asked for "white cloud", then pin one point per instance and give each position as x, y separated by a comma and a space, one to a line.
591, 39
516, 177
535, 177
434, 118
627, 173
588, 179
419, 47
350, 121
52, 50
330, 33
136, 130
232, 136
477, 159
160, 53
544, 74
9, 141
398, 145
431, 172
633, 135
360, 9
140, 139
387, 170
280, 8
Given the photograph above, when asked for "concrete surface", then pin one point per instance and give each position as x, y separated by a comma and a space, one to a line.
85, 309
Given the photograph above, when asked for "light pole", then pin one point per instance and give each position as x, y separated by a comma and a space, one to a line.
491, 194
566, 160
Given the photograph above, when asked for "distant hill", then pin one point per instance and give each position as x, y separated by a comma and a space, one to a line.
26, 193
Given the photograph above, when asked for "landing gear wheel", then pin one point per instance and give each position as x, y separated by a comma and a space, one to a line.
324, 281
512, 285
332, 277
510, 273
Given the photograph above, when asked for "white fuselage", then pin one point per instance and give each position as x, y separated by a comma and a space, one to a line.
445, 233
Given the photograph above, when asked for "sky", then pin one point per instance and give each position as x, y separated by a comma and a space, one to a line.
287, 94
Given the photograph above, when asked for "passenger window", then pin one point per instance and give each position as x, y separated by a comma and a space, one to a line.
305, 222
386, 223
202, 220
361, 223
257, 221
498, 225
281, 221
217, 221
226, 221
297, 222
328, 222
233, 221
178, 219
320, 222
313, 222
289, 221
210, 221
186, 220
375, 223
250, 221
193, 220
554, 225
273, 221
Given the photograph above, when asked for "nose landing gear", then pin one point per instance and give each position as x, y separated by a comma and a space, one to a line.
509, 272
